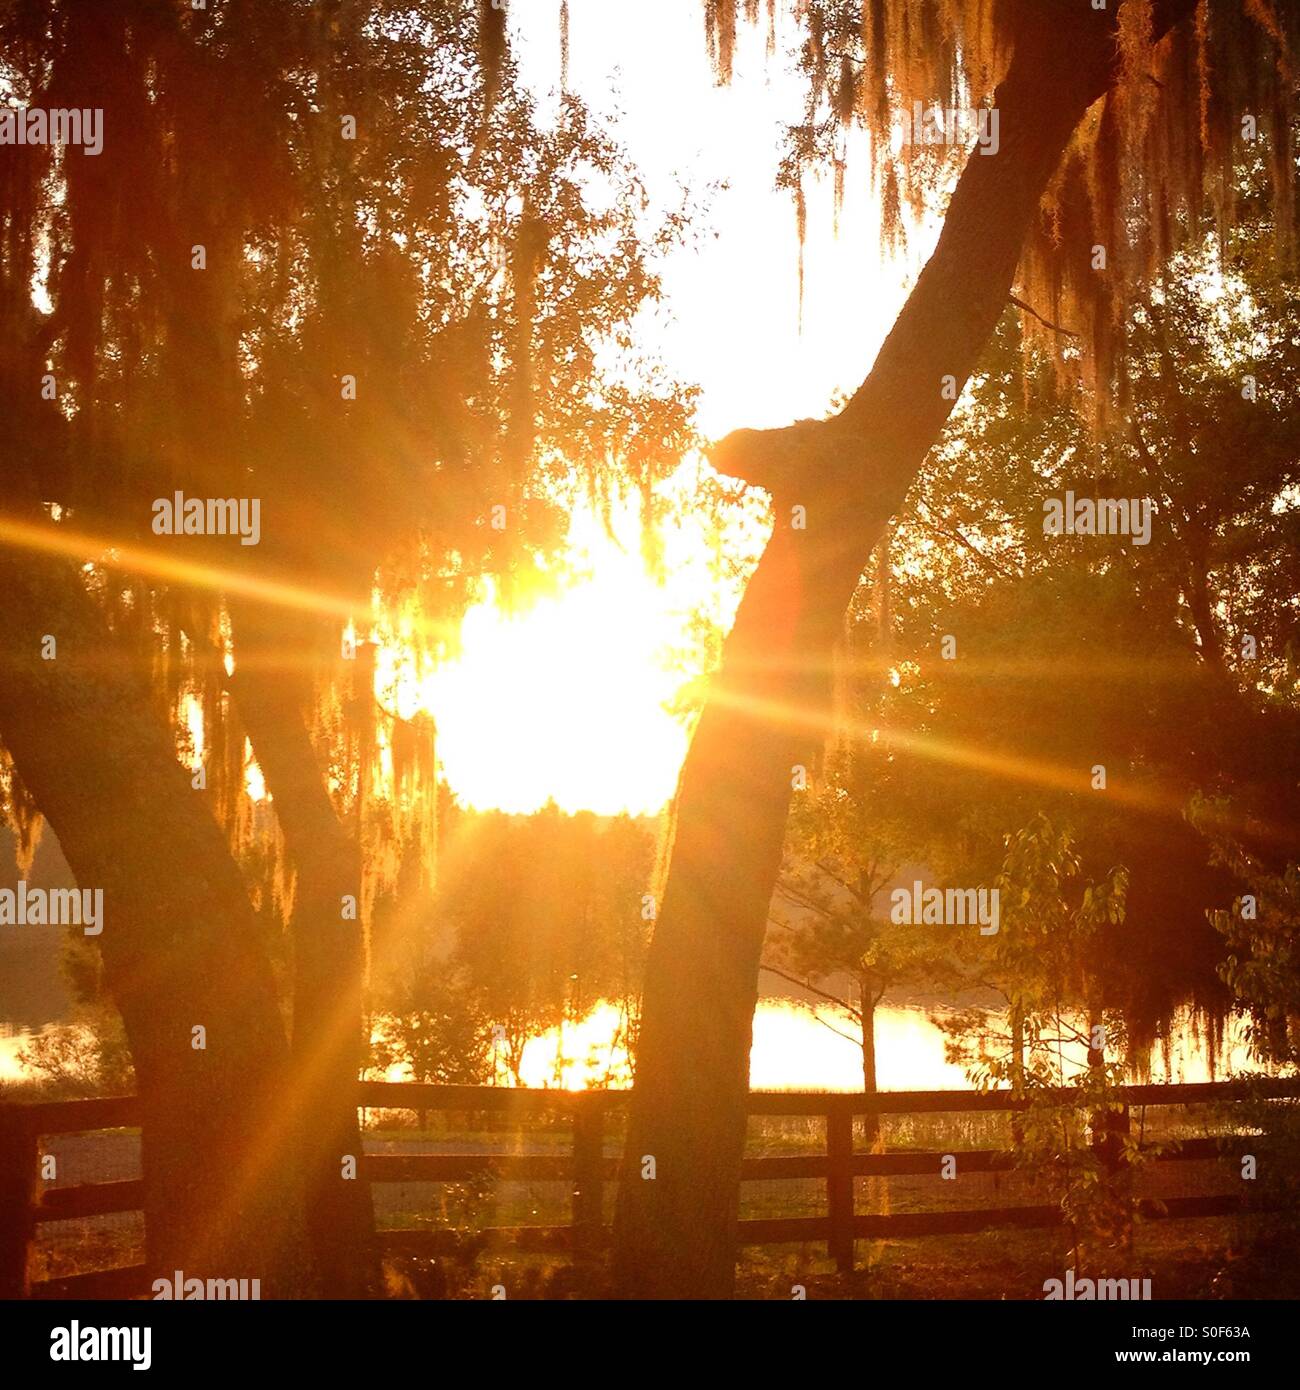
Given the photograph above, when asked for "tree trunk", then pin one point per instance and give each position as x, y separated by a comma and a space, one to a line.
1017, 1025
328, 1030
1201, 605
675, 1233
867, 998
181, 946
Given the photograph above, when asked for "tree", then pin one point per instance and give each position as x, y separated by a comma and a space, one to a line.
1045, 963
332, 234
1262, 969
834, 484
547, 922
186, 962
1094, 642
842, 851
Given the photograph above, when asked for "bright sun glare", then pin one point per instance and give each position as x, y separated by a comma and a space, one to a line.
569, 699
565, 701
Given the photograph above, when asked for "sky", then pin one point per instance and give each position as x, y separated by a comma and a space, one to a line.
732, 302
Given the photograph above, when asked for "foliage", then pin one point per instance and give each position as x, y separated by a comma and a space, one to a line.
546, 918
1262, 968
1014, 662
1262, 934
436, 1033
1073, 1134
1150, 170
826, 926
375, 198
86, 1056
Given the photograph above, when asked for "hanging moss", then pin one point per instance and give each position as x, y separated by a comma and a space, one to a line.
320, 155
1148, 173
720, 33
564, 45
491, 52
18, 812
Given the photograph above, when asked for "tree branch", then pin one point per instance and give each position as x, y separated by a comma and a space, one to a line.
1055, 327
812, 989
956, 534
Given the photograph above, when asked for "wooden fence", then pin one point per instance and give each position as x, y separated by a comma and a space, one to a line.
24, 1203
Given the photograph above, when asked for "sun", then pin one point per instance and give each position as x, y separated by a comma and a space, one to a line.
565, 702
576, 698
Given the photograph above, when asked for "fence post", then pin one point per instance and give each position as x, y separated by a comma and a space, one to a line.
588, 1159
1117, 1161
17, 1196
1121, 1131
839, 1187
1110, 1129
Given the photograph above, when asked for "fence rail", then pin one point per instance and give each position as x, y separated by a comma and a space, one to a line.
24, 1203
